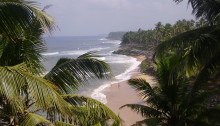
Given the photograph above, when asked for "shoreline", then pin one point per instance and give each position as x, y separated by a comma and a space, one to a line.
99, 94
121, 93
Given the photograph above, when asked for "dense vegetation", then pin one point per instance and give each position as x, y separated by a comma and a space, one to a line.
151, 38
187, 63
27, 98
187, 72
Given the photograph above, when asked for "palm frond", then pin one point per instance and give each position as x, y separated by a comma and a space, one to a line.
144, 110
15, 79
143, 87
150, 94
89, 111
32, 119
182, 41
19, 14
26, 49
23, 36
207, 71
68, 74
10, 83
196, 47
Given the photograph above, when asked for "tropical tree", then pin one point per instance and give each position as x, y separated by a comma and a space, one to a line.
26, 97
198, 50
159, 30
200, 47
149, 39
172, 102
16, 15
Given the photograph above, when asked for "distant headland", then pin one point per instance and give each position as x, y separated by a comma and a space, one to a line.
116, 35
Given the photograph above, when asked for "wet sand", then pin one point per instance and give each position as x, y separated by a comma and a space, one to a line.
121, 93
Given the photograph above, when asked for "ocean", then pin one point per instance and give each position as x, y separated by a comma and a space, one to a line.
122, 66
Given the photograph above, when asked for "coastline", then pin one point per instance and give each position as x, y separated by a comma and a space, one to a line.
121, 93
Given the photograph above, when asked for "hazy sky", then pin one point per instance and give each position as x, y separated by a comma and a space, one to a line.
93, 17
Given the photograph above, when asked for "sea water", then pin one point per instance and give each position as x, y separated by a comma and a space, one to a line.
122, 66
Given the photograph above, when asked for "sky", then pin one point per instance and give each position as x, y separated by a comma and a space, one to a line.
95, 17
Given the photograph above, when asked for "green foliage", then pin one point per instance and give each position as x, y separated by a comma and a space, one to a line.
199, 48
151, 38
27, 89
69, 74
192, 63
17, 15
25, 48
21, 28
173, 101
197, 59
89, 111
26, 97
32, 119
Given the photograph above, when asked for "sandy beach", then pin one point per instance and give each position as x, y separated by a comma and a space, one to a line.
121, 93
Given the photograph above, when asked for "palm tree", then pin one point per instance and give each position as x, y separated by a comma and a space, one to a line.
199, 47
159, 30
167, 30
25, 96
22, 26
16, 15
170, 103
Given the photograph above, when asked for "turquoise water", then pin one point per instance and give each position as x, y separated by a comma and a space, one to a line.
71, 47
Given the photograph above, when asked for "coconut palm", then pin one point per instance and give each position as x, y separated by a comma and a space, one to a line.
200, 47
23, 93
16, 15
172, 102
22, 26
159, 30
25, 96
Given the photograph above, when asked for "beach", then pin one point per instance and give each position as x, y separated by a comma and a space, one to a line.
121, 93
113, 92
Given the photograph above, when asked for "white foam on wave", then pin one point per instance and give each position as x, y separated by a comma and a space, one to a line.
118, 42
107, 54
121, 59
103, 39
80, 52
50, 54
98, 93
127, 74
73, 52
